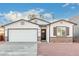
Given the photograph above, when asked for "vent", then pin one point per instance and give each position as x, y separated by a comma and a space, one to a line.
22, 22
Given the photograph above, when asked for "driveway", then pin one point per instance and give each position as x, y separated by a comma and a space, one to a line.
58, 49
18, 49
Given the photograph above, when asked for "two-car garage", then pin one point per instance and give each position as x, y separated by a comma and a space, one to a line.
21, 31
22, 35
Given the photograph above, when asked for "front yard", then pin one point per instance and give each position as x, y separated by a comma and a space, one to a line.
58, 49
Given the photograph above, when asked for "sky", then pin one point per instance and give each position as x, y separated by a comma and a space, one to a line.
51, 10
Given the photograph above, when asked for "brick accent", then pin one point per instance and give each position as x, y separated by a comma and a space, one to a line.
61, 39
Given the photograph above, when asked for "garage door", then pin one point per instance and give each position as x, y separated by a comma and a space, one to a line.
22, 35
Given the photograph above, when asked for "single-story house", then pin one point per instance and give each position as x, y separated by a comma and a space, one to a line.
39, 30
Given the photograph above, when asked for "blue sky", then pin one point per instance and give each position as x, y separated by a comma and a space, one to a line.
60, 10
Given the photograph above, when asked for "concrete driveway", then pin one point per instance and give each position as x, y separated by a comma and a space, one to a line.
58, 49
18, 49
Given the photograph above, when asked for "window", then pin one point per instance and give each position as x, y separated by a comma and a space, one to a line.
61, 31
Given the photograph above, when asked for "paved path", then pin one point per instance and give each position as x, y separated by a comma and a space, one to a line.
58, 49
18, 49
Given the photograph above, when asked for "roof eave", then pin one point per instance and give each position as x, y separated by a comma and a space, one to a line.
17, 21
63, 20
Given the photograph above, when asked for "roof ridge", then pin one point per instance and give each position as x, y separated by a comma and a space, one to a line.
40, 19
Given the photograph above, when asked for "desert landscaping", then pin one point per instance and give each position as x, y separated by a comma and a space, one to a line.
58, 49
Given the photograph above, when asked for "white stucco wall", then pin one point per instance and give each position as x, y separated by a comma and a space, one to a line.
76, 28
62, 23
18, 25
76, 31
48, 33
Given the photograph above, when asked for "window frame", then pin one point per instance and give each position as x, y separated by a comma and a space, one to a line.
65, 31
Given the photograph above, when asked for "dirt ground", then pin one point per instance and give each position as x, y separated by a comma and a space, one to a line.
58, 49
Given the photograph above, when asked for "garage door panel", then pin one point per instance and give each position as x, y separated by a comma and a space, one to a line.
23, 35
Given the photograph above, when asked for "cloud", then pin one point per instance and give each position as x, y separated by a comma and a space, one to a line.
72, 4
73, 7
16, 15
48, 16
36, 10
66, 4
13, 15
3, 20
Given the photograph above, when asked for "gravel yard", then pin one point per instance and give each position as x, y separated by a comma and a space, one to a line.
58, 49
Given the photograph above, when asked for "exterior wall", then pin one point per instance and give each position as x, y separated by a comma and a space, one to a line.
48, 33
76, 33
18, 25
68, 38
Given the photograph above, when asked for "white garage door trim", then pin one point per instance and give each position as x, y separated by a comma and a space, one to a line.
35, 29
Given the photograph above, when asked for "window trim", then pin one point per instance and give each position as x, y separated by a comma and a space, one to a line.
65, 32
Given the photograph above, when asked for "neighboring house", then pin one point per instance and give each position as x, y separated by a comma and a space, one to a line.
38, 29
1, 30
75, 19
1, 34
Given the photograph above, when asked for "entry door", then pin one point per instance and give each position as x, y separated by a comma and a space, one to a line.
43, 34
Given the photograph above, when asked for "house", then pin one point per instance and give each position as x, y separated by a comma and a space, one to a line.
39, 30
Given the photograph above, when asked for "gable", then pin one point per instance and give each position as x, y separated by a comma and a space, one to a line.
63, 22
39, 21
21, 24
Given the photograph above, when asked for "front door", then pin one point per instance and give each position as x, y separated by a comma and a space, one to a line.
43, 34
